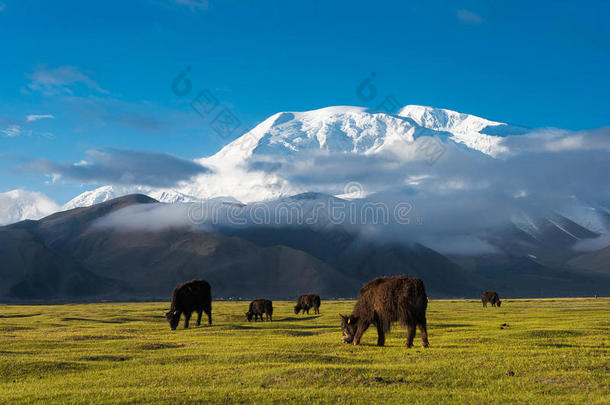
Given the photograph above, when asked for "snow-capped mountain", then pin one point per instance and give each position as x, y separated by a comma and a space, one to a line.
357, 130
249, 168
106, 193
275, 160
18, 205
246, 169
474, 132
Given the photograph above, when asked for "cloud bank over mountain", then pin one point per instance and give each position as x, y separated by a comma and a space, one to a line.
123, 167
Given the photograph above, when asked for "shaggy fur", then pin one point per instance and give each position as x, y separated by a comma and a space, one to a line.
383, 301
192, 296
491, 297
306, 302
258, 308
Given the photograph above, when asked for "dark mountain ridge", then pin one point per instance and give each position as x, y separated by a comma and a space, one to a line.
66, 257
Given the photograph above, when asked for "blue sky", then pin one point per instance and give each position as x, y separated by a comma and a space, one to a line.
81, 76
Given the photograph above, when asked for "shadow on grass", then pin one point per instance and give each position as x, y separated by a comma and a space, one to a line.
159, 346
556, 345
548, 334
14, 328
37, 369
297, 333
240, 327
105, 358
449, 325
91, 320
19, 316
295, 319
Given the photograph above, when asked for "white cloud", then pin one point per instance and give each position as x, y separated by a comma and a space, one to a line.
126, 167
593, 244
17, 205
469, 17
62, 80
194, 5
35, 117
558, 140
13, 131
19, 127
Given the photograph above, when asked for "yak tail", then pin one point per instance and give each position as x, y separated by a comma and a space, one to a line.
174, 299
422, 301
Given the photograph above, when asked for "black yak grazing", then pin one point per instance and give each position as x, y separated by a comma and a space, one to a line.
306, 302
383, 301
258, 308
192, 296
491, 297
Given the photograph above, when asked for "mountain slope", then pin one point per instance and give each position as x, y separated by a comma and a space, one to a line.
67, 253
597, 261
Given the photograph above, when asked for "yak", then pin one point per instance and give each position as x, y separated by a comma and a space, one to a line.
491, 297
383, 301
306, 302
258, 308
194, 295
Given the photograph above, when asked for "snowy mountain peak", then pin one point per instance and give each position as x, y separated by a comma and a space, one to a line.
441, 119
357, 130
106, 193
248, 168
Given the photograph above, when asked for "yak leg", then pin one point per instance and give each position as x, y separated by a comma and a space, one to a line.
484, 304
410, 334
380, 334
187, 318
423, 329
359, 332
199, 313
208, 312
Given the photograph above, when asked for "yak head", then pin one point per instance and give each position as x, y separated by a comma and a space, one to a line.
499, 303
249, 316
297, 308
348, 325
173, 317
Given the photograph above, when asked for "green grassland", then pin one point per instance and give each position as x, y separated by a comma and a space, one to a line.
125, 353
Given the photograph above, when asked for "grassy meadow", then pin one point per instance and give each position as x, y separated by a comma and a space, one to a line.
550, 351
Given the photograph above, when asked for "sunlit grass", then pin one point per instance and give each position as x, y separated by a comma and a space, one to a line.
125, 352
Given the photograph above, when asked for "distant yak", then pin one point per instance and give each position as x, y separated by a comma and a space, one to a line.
192, 296
258, 308
306, 302
383, 301
491, 297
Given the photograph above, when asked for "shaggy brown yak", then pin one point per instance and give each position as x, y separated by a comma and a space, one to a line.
383, 301
192, 296
306, 302
491, 297
258, 308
